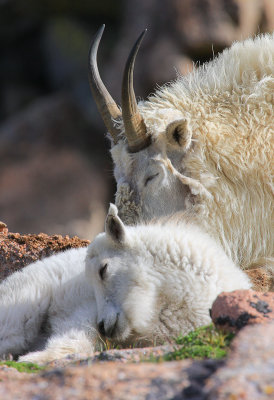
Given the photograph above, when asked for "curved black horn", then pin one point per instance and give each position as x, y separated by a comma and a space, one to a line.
105, 103
135, 128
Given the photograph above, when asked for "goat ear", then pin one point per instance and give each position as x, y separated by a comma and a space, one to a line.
179, 134
114, 226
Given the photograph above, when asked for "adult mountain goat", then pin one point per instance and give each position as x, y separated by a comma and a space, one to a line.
203, 143
143, 284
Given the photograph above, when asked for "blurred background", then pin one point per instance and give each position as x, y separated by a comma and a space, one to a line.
55, 169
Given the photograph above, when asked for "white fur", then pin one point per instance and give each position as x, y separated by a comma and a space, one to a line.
221, 170
51, 294
160, 280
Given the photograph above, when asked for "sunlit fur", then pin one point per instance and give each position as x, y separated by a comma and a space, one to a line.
151, 291
221, 170
47, 309
160, 279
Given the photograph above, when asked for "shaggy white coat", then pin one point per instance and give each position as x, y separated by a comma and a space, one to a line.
146, 283
212, 153
48, 304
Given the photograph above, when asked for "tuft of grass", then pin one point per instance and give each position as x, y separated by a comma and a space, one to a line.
23, 366
204, 342
106, 344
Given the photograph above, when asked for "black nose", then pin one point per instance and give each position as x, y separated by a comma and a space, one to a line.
101, 328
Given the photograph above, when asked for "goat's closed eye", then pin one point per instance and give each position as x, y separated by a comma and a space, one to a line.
102, 271
149, 178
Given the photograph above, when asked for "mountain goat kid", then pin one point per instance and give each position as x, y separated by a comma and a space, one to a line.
142, 284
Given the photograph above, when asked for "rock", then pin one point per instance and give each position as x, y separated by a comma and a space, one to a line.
17, 251
195, 29
135, 355
249, 371
247, 374
55, 192
3, 228
53, 121
233, 310
262, 278
198, 373
100, 382
53, 174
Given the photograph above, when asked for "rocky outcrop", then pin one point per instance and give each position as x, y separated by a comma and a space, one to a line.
246, 374
262, 279
99, 382
232, 311
131, 373
17, 251
249, 371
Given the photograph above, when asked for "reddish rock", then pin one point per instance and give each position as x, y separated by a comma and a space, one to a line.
127, 355
247, 374
101, 381
234, 310
17, 251
249, 371
262, 279
3, 228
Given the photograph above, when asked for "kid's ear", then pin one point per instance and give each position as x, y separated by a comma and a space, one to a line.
114, 227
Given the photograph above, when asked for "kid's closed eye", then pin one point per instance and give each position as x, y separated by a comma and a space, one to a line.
102, 271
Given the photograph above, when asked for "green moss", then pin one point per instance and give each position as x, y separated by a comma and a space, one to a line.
23, 366
204, 342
